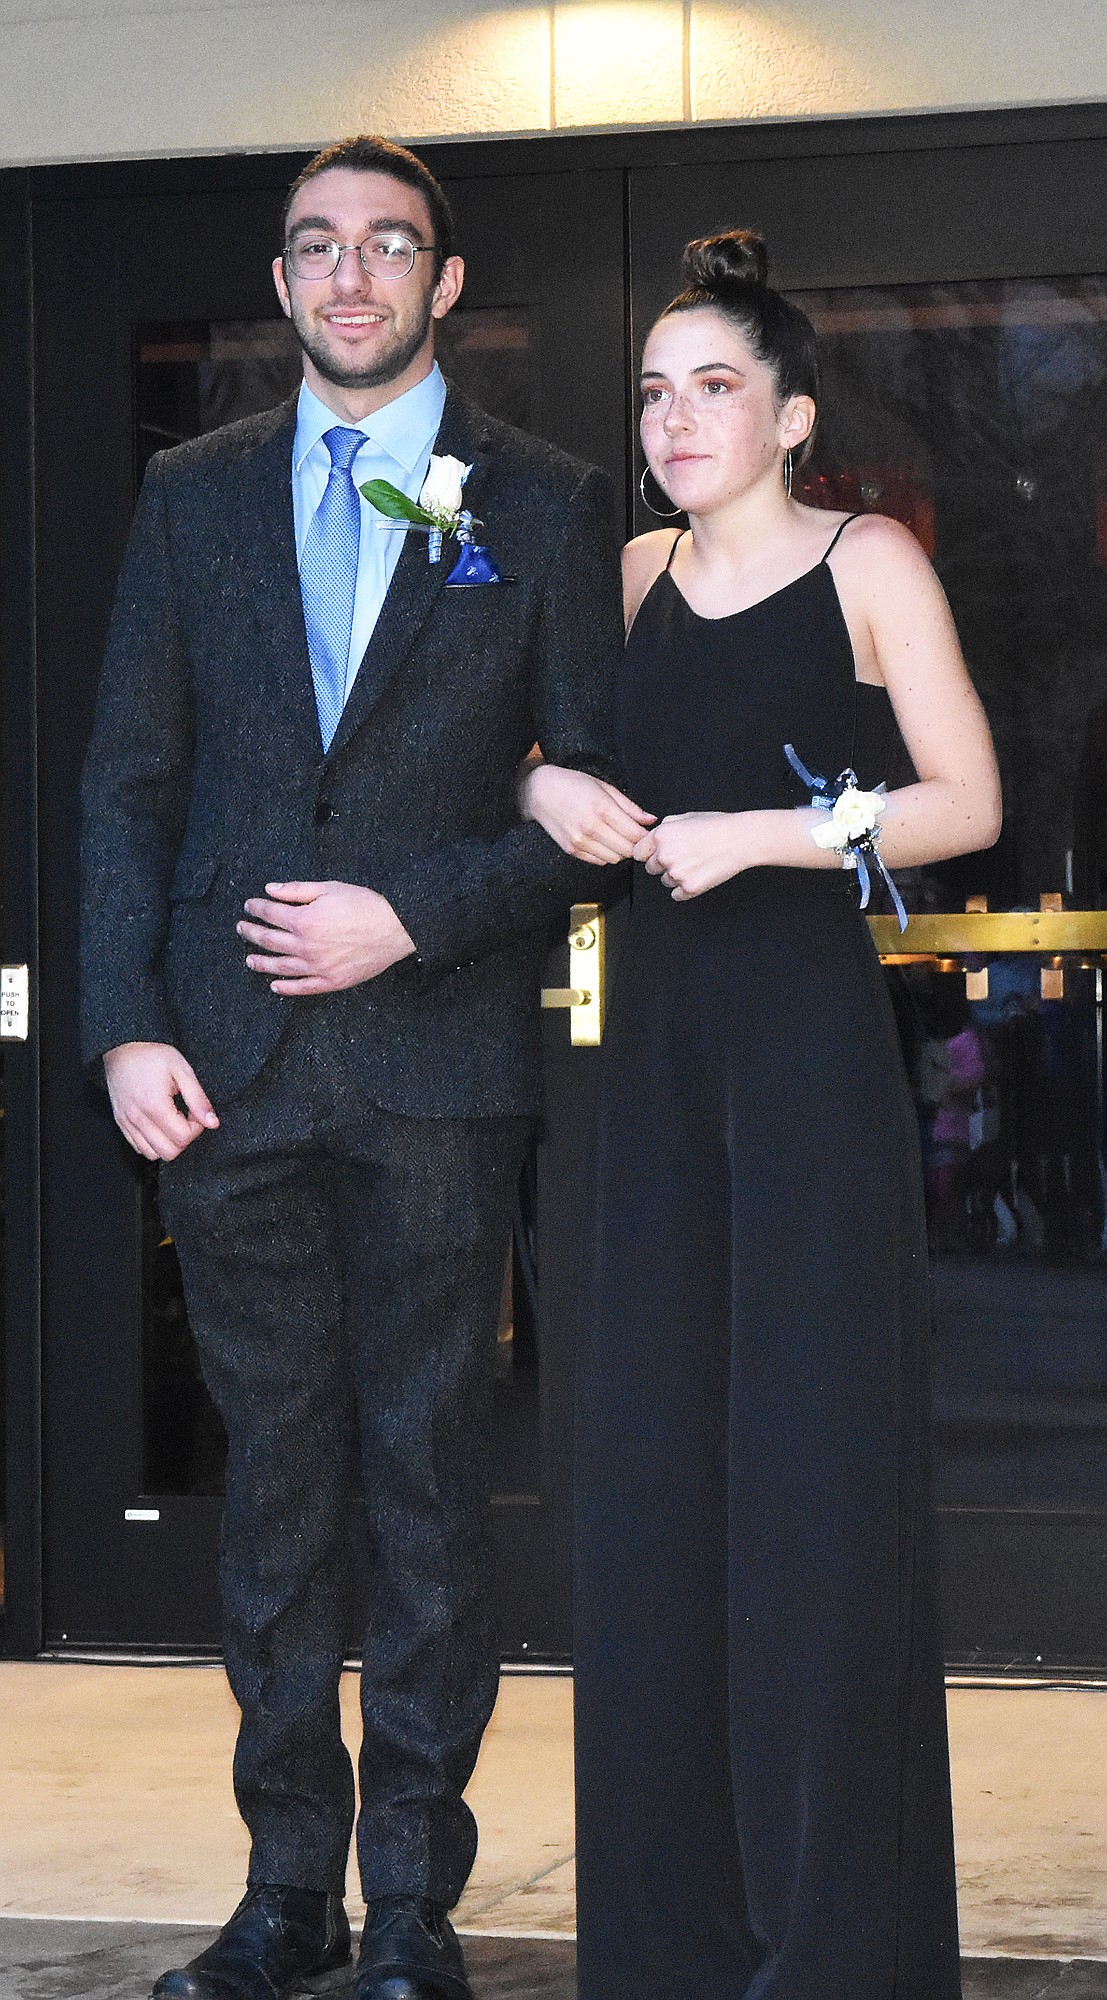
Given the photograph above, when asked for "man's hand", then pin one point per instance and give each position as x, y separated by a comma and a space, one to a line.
318, 937
143, 1079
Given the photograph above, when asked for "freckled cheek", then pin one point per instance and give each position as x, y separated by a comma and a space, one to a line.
652, 433
739, 441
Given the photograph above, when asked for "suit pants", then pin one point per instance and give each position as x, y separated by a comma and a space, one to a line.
343, 1269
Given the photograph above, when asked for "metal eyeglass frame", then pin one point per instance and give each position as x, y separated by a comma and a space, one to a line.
340, 249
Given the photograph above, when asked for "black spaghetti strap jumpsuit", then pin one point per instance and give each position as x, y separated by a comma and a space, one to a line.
763, 1779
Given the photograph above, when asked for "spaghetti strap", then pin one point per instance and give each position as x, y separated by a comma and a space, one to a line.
679, 536
839, 531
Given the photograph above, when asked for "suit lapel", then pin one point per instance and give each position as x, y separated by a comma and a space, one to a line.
416, 584
273, 581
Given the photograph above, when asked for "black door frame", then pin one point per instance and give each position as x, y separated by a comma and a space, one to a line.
21, 191
21, 1626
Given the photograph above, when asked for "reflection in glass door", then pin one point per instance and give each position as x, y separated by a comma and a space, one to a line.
974, 413
192, 376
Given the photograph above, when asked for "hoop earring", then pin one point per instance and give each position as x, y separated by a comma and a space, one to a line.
788, 474
660, 513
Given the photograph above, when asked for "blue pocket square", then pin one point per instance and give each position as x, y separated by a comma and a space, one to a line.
474, 566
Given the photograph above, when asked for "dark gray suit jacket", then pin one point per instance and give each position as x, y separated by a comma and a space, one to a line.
206, 777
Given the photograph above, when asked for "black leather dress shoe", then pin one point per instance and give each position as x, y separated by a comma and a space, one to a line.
409, 1951
275, 1941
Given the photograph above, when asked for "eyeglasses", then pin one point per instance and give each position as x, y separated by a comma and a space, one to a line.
384, 254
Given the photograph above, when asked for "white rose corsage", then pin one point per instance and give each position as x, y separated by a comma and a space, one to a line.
438, 512
851, 827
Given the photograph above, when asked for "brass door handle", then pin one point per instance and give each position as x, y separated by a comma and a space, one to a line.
584, 997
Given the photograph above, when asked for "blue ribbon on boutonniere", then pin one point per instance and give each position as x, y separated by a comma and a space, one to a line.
853, 831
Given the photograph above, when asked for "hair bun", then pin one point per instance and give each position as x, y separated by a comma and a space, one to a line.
721, 262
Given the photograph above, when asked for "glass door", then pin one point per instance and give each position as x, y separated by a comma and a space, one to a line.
975, 412
965, 393
180, 332
960, 289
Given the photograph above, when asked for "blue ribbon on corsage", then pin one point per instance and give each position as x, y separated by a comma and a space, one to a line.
438, 512
853, 829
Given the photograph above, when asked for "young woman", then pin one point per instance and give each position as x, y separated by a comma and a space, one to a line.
764, 1808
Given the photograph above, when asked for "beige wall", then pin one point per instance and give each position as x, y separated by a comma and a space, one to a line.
100, 79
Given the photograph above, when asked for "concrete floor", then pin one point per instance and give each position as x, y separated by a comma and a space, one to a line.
53, 1961
118, 1832
115, 1799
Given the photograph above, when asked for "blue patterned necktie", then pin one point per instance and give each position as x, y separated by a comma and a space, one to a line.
328, 578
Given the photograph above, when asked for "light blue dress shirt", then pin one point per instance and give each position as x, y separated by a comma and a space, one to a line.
398, 443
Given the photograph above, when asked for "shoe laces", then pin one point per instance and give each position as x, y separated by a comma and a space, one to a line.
386, 1910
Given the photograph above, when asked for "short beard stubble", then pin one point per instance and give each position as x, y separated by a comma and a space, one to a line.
391, 364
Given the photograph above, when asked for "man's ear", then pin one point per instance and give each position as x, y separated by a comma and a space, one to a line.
282, 287
448, 289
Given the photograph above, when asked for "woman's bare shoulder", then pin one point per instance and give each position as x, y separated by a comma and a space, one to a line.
871, 543
643, 561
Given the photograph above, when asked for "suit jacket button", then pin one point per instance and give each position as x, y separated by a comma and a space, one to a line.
324, 811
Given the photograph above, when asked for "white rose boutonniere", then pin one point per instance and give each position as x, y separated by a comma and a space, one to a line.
440, 493
438, 509
851, 826
438, 512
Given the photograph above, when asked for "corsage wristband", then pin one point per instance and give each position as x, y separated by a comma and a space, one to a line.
851, 828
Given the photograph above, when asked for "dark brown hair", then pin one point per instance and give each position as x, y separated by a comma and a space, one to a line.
729, 272
370, 154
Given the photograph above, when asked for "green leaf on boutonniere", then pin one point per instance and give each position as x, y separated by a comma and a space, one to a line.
388, 500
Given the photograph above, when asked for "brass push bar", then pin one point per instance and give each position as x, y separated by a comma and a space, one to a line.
988, 933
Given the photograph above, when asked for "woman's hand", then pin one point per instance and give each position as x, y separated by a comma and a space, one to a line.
693, 852
586, 816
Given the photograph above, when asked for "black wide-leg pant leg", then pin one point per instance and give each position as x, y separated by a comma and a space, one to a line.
660, 1895
762, 1774
343, 1293
838, 1739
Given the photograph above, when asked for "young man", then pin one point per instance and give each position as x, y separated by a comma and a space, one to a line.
314, 928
